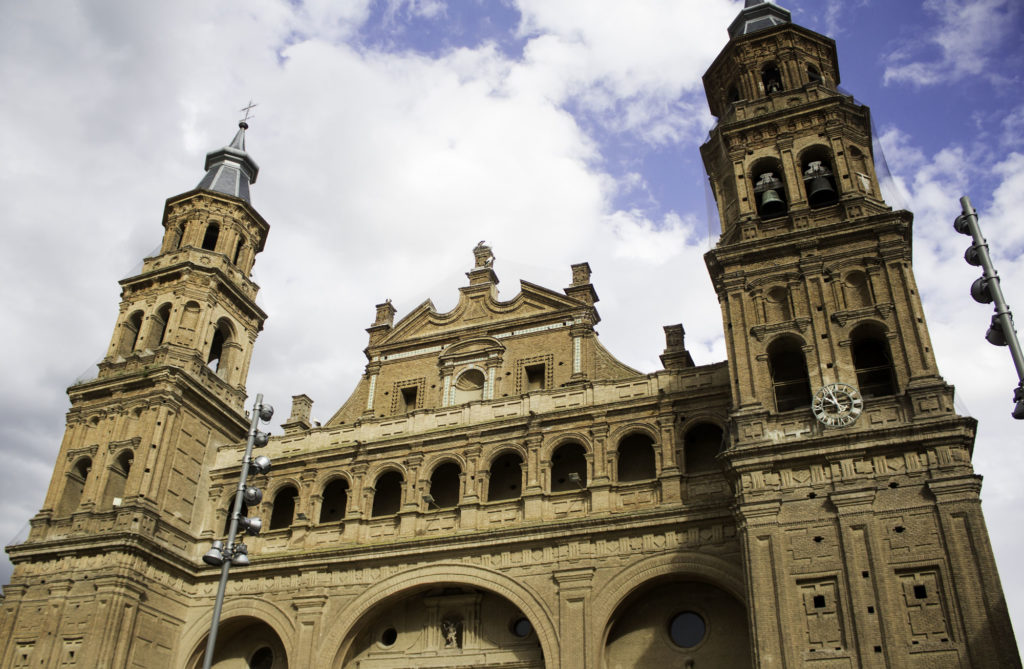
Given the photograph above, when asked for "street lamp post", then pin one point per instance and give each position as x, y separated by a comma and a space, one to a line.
986, 289
237, 554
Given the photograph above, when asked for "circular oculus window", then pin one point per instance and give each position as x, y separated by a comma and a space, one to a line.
687, 629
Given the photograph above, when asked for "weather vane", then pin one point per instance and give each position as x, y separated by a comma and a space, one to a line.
247, 109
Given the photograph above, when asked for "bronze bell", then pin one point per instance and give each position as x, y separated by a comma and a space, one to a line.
772, 204
820, 191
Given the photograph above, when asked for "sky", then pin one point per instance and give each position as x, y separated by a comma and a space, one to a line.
393, 135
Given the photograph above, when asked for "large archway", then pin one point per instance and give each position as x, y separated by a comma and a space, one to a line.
444, 626
244, 643
403, 616
675, 622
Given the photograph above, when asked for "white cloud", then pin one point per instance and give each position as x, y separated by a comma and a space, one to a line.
968, 36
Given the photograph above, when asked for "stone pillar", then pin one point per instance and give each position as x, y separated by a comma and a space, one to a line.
758, 523
308, 611
573, 599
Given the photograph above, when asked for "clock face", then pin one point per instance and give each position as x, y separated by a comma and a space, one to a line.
837, 405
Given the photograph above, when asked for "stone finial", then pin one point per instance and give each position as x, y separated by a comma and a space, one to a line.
385, 313
676, 356
299, 421
482, 255
580, 274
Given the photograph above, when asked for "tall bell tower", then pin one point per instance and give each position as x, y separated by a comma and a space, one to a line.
119, 524
857, 504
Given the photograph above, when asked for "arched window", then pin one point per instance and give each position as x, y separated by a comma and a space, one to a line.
568, 468
701, 444
283, 512
788, 368
771, 79
636, 458
217, 360
873, 361
334, 502
813, 75
238, 250
819, 177
777, 305
230, 510
857, 290
117, 478
158, 326
469, 386
732, 95
74, 485
770, 197
130, 333
387, 494
444, 485
506, 480
210, 238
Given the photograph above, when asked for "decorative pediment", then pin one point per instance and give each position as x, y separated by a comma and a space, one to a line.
481, 308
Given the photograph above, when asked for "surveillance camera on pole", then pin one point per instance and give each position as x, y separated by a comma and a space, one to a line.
986, 290
225, 554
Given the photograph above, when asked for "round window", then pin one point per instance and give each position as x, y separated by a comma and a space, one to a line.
522, 628
686, 629
389, 636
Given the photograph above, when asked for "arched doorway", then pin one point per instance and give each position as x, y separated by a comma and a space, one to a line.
244, 643
444, 625
678, 623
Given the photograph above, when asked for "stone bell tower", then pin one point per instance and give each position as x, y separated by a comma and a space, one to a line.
119, 523
857, 504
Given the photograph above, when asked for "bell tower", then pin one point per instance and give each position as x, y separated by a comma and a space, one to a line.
857, 504
121, 513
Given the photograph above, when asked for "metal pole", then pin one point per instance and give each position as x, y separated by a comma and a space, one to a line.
211, 642
1002, 309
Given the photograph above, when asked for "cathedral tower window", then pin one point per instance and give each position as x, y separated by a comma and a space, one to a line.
217, 360
813, 75
857, 290
444, 485
873, 361
158, 326
769, 189
238, 251
387, 494
469, 386
636, 458
174, 241
506, 480
74, 486
335, 501
777, 305
771, 79
283, 512
117, 479
230, 510
210, 238
130, 334
568, 460
701, 445
534, 377
788, 368
733, 94
818, 177
407, 399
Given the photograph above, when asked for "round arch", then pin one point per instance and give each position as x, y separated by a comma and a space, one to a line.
336, 641
435, 461
236, 609
623, 431
494, 452
552, 445
374, 473
330, 477
689, 565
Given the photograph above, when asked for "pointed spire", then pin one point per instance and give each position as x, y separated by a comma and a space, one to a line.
758, 15
230, 169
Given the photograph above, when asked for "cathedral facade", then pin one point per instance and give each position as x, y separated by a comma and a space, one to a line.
501, 491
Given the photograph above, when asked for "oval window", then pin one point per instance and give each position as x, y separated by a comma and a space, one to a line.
389, 636
522, 628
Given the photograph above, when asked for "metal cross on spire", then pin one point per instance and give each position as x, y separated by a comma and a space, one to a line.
247, 109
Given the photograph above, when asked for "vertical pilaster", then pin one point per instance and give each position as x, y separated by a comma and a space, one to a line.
573, 598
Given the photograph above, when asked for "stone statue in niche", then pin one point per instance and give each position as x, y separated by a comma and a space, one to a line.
452, 631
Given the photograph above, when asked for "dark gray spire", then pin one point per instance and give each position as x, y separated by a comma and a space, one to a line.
230, 169
758, 15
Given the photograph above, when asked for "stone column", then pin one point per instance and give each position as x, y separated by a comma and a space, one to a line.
573, 599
